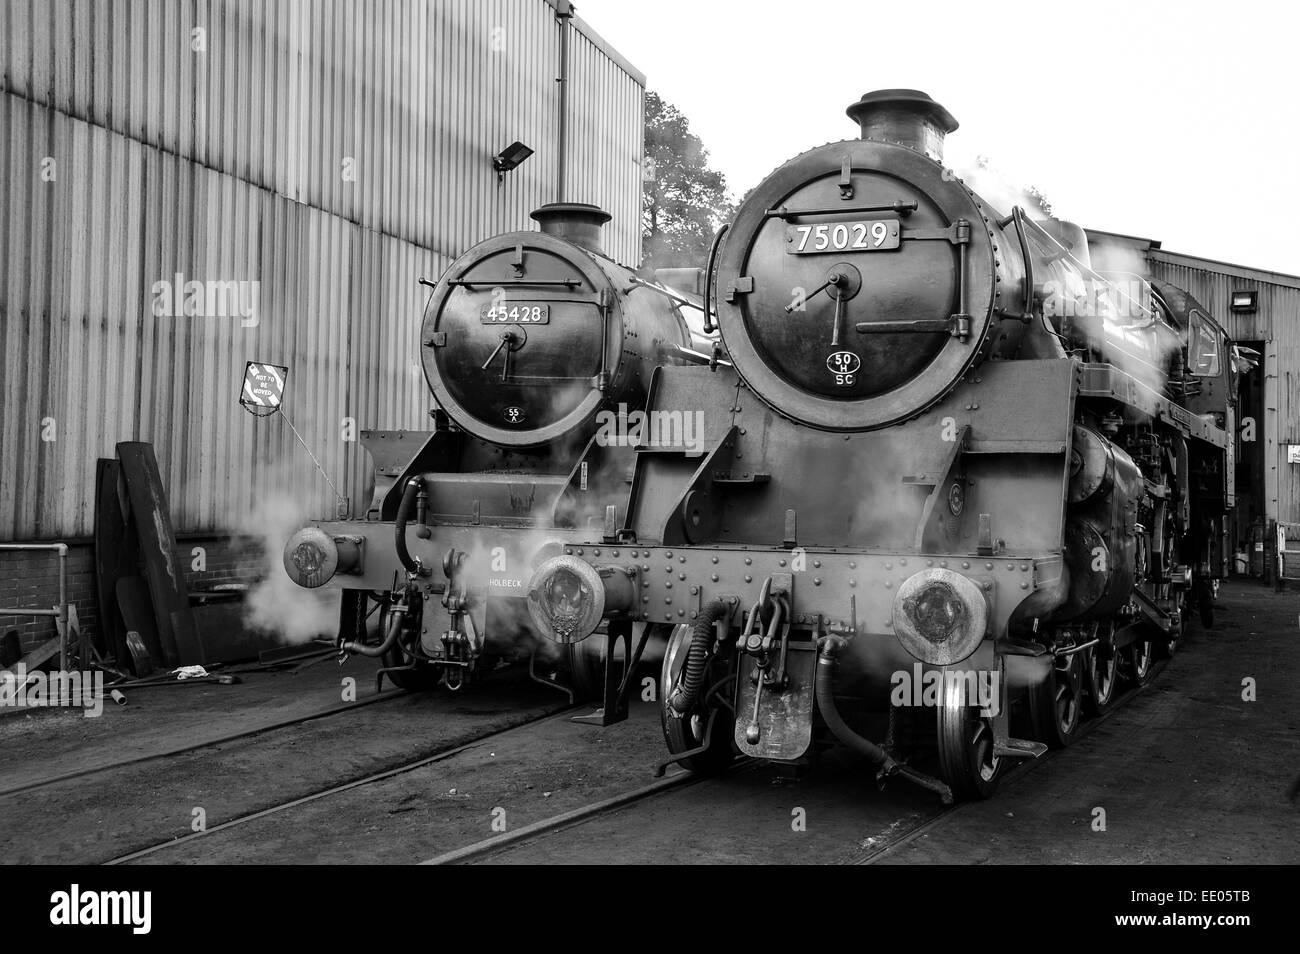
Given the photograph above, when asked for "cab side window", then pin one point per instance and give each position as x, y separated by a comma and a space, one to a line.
1203, 347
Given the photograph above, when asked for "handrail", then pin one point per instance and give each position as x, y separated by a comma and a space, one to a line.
62, 612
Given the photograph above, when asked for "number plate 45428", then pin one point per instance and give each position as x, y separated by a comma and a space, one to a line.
873, 236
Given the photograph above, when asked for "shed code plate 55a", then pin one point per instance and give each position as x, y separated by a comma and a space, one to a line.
872, 236
515, 312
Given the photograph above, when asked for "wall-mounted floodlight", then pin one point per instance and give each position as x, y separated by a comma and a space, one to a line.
510, 158
1244, 301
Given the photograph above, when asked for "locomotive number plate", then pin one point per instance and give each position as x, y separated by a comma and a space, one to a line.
874, 236
515, 312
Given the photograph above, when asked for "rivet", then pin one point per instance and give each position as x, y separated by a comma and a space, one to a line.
1010, 567
780, 563
668, 584
748, 578
715, 559
681, 612
888, 585
988, 566
1024, 586
579, 551
713, 577
669, 554
613, 553
1024, 567
889, 566
669, 568
568, 551
645, 599
929, 563
681, 576
681, 559
853, 583
817, 581
852, 565
748, 561
943, 564
645, 567
668, 599
903, 561
965, 566
595, 553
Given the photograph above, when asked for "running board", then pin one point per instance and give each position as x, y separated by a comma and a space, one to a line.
1018, 749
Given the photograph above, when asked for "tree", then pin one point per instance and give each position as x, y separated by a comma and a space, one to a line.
683, 201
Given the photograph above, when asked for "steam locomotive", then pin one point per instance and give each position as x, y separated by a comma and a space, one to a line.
944, 452
528, 341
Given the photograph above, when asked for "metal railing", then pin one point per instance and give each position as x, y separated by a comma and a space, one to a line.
61, 611
1288, 551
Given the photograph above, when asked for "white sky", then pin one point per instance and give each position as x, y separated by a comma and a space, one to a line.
1173, 121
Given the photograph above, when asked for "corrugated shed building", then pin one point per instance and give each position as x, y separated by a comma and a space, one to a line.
311, 161
1259, 309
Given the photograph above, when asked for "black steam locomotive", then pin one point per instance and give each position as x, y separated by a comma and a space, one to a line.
530, 340
957, 486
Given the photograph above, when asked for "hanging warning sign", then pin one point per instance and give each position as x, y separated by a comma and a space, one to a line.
263, 385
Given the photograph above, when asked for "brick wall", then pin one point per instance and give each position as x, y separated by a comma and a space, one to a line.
31, 578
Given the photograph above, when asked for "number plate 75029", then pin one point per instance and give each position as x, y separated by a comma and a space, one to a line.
873, 236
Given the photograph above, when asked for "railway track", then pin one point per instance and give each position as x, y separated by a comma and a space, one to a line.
490, 848
421, 762
37, 784
899, 839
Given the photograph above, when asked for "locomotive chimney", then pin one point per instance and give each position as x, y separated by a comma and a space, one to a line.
578, 222
906, 116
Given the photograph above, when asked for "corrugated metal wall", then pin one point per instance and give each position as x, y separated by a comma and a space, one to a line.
1276, 321
331, 152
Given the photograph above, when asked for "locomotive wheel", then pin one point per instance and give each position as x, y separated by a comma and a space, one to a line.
683, 733
422, 678
1054, 705
967, 760
419, 680
1139, 662
1205, 604
586, 662
1100, 678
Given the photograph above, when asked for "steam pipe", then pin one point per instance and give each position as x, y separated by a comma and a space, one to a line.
563, 14
825, 693
390, 638
687, 692
413, 487
1040, 604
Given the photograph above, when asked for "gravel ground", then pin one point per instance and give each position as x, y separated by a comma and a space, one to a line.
1186, 771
